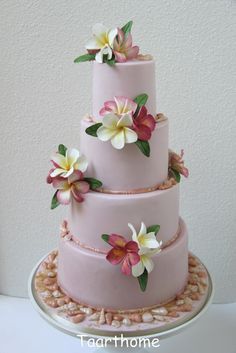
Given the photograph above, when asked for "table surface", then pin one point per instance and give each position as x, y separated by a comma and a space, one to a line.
22, 330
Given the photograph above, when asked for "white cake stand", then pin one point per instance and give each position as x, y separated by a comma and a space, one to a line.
77, 331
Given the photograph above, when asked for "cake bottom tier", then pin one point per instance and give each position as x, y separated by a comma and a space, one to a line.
88, 278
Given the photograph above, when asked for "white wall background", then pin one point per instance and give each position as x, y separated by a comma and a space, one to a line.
44, 94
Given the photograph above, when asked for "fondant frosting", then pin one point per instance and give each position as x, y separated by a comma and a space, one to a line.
88, 278
123, 79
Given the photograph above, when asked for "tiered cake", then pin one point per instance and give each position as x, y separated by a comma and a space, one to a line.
123, 245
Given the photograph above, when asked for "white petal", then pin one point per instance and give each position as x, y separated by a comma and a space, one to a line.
82, 164
148, 263
118, 141
64, 196
71, 156
105, 134
111, 36
60, 160
57, 172
99, 57
149, 241
125, 120
143, 229
68, 173
99, 29
134, 235
137, 269
130, 135
93, 44
110, 121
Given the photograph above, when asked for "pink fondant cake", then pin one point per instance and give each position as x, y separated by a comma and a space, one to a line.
123, 244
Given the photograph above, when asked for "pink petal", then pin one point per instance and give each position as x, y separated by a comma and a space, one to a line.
81, 186
132, 246
60, 183
128, 41
126, 266
49, 178
132, 53
125, 103
64, 196
142, 113
120, 57
76, 194
185, 172
116, 240
115, 256
75, 176
109, 106
144, 133
134, 258
149, 121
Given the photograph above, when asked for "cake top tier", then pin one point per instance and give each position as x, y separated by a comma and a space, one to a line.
111, 46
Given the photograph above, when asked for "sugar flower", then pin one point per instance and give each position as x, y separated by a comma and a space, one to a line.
123, 251
120, 106
148, 246
66, 165
74, 186
144, 124
102, 42
117, 129
123, 48
176, 162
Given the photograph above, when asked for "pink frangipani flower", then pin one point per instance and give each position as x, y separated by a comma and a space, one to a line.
123, 251
144, 124
120, 106
73, 186
176, 162
122, 47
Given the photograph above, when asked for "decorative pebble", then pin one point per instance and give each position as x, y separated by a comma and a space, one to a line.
126, 321
159, 317
117, 317
94, 317
185, 307
57, 294
195, 296
160, 311
201, 289
61, 301
188, 301
192, 262
49, 281
52, 287
73, 312
67, 299
193, 288
203, 281
147, 317
52, 302
102, 318
115, 323
202, 274
87, 311
78, 318
51, 274
173, 314
109, 318
72, 306
179, 302
46, 294
136, 318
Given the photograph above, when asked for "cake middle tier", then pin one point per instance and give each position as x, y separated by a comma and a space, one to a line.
127, 169
102, 213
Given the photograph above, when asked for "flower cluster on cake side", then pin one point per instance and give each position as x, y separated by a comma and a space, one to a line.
134, 255
67, 176
110, 45
125, 121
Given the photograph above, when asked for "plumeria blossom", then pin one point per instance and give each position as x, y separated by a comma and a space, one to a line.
73, 186
176, 162
102, 42
66, 165
144, 124
120, 106
123, 48
148, 246
117, 129
123, 251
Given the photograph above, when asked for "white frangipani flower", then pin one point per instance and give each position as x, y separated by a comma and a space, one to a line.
148, 246
66, 165
102, 41
117, 129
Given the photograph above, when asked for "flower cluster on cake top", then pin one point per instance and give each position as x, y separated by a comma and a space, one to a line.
67, 176
134, 255
125, 121
110, 45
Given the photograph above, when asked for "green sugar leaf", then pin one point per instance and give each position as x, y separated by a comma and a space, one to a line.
92, 130
85, 57
144, 147
93, 183
141, 99
127, 28
62, 149
105, 237
143, 279
54, 202
175, 174
155, 228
